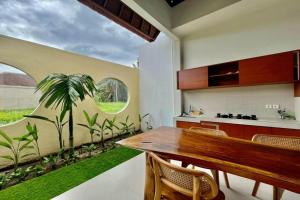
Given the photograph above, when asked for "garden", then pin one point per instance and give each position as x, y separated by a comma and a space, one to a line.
62, 92
12, 115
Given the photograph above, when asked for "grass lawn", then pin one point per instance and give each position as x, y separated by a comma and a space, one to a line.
8, 116
111, 107
63, 179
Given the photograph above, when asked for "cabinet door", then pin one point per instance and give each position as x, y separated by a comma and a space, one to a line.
182, 124
196, 78
277, 68
286, 132
233, 130
250, 131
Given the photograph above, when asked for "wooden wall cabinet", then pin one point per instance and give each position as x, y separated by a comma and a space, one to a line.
243, 131
270, 69
196, 78
277, 68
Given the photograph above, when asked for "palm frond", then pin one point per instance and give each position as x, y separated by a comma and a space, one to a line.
6, 137
39, 117
7, 157
5, 144
28, 154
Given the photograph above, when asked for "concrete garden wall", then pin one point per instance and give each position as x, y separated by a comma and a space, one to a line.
38, 61
18, 97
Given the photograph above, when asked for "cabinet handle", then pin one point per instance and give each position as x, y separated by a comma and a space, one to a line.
210, 124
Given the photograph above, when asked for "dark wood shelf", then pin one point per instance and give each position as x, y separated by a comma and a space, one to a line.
223, 75
224, 86
226, 74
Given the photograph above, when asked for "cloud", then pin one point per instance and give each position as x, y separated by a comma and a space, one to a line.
69, 25
11, 69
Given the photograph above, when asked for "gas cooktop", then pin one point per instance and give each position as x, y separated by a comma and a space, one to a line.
238, 116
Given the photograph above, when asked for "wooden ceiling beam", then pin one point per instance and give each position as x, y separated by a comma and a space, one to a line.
117, 11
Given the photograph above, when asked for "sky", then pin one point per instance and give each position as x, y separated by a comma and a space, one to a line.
71, 26
9, 69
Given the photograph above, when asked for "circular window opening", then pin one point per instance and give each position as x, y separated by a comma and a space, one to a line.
17, 94
111, 96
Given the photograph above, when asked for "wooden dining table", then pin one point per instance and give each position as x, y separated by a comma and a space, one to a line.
272, 165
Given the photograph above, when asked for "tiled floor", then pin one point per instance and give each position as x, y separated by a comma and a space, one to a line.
126, 182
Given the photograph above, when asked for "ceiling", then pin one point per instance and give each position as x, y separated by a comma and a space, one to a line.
118, 12
173, 3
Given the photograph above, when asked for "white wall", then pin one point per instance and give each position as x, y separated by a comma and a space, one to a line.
245, 29
18, 97
242, 100
192, 9
257, 28
156, 78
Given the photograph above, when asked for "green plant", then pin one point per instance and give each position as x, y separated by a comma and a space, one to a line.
73, 158
4, 179
111, 125
52, 161
35, 170
102, 127
141, 117
89, 148
20, 174
33, 132
65, 90
16, 150
126, 126
39, 170
91, 124
59, 125
12, 115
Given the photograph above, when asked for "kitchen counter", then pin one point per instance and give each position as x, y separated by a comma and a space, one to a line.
272, 122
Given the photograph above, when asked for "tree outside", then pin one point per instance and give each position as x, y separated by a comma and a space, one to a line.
111, 95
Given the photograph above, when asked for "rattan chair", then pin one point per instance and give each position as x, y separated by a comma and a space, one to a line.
287, 142
216, 132
174, 182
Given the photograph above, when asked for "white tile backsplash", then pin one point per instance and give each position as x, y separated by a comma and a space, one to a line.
244, 100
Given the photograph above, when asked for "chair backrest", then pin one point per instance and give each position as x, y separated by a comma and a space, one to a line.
209, 131
182, 179
287, 142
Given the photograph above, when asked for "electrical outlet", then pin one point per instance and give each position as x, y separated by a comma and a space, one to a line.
268, 106
275, 106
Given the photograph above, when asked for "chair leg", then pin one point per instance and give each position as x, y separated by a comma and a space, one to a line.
157, 194
226, 180
255, 188
277, 193
196, 188
149, 180
215, 174
280, 192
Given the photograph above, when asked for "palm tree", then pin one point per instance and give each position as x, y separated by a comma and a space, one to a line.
65, 90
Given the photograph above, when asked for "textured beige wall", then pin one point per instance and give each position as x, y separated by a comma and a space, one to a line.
38, 61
